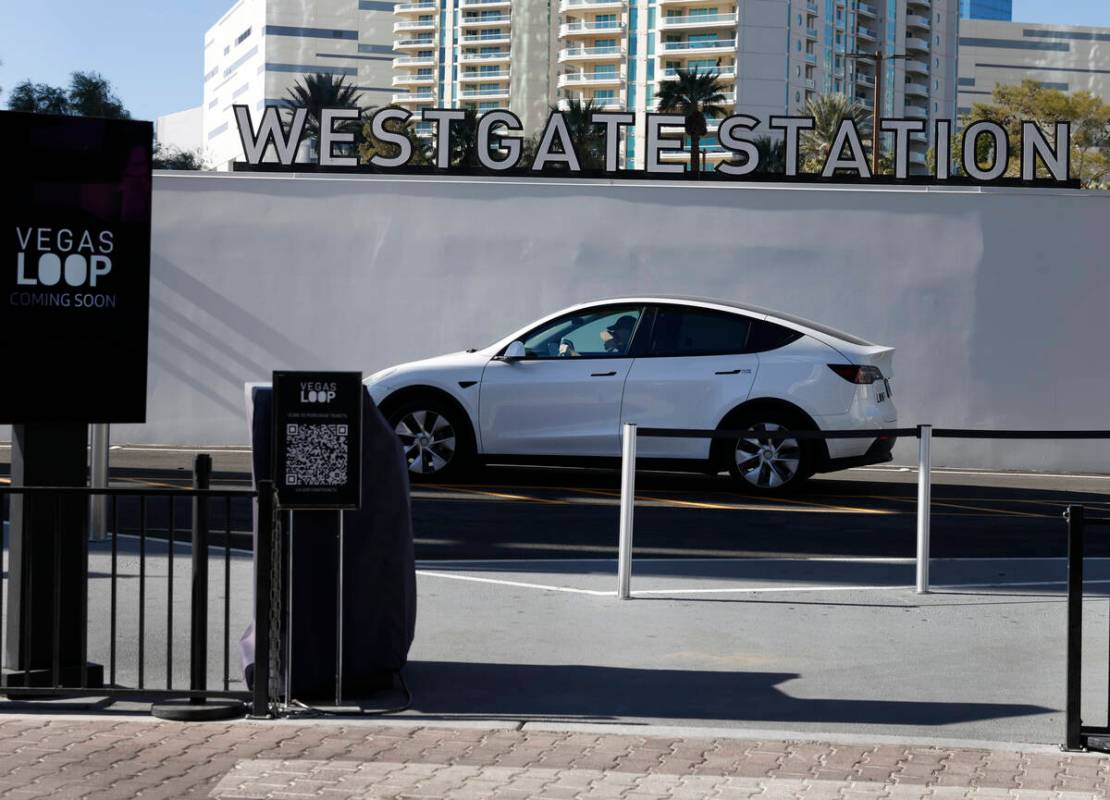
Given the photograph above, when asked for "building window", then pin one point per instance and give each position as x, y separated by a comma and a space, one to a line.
242, 36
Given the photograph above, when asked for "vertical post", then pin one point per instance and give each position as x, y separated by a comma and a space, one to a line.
628, 504
198, 645
924, 498
339, 619
877, 114
98, 479
1072, 721
263, 555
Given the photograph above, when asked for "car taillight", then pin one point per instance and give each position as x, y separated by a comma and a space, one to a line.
857, 374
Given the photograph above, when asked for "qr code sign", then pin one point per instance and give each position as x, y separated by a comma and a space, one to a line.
316, 455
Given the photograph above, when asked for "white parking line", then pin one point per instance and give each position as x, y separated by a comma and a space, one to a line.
519, 584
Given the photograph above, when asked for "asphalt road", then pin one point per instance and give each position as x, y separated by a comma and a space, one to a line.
513, 512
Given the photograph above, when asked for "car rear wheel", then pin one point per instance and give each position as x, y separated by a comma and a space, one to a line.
767, 465
435, 438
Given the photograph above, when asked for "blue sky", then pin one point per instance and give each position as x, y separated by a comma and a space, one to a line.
151, 50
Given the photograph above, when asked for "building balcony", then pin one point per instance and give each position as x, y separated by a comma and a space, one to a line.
920, 3
699, 47
599, 79
590, 5
501, 93
501, 57
614, 53
478, 21
501, 37
414, 61
712, 153
809, 83
867, 10
917, 21
917, 112
414, 98
486, 4
414, 25
864, 101
919, 158
688, 3
688, 21
917, 89
915, 67
414, 80
811, 6
415, 8
914, 43
811, 33
600, 103
726, 73
865, 33
476, 76
590, 28
810, 58
864, 79
414, 44
919, 136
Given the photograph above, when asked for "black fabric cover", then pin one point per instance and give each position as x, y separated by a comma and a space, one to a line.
379, 569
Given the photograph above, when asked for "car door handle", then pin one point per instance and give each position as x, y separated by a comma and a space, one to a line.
608, 374
729, 372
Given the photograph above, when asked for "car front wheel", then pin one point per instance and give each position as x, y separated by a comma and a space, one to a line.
435, 439
766, 465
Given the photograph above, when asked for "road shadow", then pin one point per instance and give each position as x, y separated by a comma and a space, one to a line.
604, 694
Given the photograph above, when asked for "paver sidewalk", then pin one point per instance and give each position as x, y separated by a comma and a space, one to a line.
124, 758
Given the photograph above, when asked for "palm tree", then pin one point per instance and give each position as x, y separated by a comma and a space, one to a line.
772, 154
464, 140
828, 112
695, 95
589, 141
370, 145
321, 91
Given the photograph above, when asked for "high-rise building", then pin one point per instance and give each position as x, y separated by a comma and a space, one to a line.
1065, 57
987, 9
771, 55
260, 48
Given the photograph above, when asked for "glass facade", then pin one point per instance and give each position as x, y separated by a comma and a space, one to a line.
987, 9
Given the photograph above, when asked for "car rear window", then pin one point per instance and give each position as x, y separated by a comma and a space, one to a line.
698, 332
766, 336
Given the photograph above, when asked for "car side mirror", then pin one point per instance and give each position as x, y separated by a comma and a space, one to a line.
515, 352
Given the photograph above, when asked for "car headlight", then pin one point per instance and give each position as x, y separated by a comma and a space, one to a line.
381, 375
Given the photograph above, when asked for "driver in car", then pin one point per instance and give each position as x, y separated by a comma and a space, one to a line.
615, 337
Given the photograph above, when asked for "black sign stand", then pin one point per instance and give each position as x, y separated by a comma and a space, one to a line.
47, 559
317, 467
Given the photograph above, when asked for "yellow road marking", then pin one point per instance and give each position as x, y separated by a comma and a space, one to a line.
497, 495
988, 511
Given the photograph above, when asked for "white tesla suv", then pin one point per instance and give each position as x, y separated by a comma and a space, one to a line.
558, 390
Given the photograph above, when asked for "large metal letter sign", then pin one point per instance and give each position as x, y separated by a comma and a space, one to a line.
318, 439
74, 269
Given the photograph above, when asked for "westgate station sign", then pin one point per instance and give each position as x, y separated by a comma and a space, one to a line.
503, 130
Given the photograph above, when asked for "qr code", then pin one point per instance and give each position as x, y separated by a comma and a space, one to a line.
315, 455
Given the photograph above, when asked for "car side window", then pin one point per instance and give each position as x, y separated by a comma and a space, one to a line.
698, 332
766, 336
597, 333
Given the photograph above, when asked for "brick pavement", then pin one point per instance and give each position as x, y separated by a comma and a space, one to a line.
114, 757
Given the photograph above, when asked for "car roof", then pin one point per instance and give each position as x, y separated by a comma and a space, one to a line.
774, 316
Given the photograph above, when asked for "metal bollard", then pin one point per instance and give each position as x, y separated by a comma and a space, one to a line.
628, 504
198, 645
98, 479
1073, 739
924, 498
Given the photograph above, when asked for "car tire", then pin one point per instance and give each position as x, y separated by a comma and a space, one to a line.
768, 466
436, 438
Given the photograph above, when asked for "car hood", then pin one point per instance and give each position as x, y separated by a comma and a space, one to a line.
448, 366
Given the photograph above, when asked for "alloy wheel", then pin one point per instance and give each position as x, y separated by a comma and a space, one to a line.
767, 463
428, 439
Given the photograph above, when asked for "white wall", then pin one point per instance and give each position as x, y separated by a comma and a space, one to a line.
181, 129
995, 299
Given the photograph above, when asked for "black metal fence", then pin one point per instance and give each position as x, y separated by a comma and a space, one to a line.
130, 585
1077, 735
